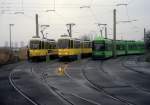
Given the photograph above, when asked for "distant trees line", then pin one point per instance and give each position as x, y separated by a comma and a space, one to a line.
15, 44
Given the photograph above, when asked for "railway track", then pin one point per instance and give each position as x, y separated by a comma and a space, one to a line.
138, 83
97, 87
136, 71
32, 99
71, 98
63, 95
132, 69
19, 91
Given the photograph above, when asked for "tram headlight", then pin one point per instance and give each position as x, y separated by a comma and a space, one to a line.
60, 50
66, 53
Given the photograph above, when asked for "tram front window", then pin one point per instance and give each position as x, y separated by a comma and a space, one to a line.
34, 44
99, 46
63, 43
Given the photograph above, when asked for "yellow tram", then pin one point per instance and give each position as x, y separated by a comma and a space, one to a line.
73, 48
86, 48
40, 48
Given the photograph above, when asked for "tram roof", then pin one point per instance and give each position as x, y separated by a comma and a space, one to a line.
99, 38
37, 39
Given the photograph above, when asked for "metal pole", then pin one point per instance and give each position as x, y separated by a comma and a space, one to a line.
10, 34
144, 34
145, 41
37, 26
70, 32
10, 25
105, 32
114, 34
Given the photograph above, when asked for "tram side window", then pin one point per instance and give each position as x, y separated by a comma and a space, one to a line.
53, 45
90, 44
132, 46
118, 47
84, 45
122, 47
49, 46
46, 45
77, 44
135, 46
141, 46
129, 47
87, 45
42, 45
108, 47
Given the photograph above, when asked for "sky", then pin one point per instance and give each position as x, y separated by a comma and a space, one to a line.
21, 13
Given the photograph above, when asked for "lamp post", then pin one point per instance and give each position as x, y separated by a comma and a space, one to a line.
114, 28
10, 27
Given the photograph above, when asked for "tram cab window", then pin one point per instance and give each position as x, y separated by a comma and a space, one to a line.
86, 44
99, 46
34, 44
63, 43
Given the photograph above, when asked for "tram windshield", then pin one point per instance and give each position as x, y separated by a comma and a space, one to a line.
34, 44
63, 43
99, 46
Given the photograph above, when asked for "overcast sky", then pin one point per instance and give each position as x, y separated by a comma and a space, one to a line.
69, 11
